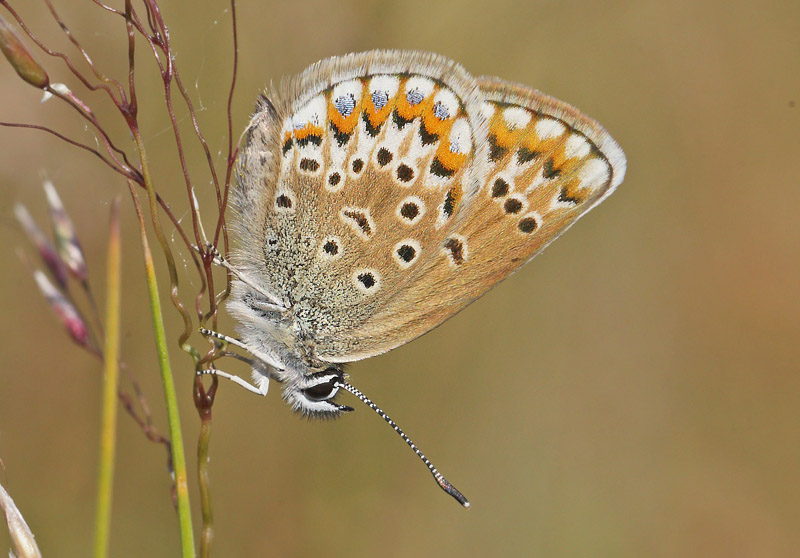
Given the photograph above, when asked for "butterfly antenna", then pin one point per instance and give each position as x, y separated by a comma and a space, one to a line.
440, 480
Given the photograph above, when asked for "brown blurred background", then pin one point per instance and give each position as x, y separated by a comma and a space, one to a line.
634, 392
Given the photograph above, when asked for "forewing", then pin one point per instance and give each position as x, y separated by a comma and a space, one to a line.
548, 165
350, 182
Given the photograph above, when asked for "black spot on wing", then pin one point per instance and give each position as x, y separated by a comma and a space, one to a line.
283, 201
287, 145
512, 205
309, 165
331, 247
371, 130
311, 138
528, 225
427, 137
340, 137
409, 210
384, 156
549, 171
496, 152
406, 253
456, 249
405, 173
500, 188
359, 219
399, 121
439, 169
565, 197
525, 155
449, 203
367, 279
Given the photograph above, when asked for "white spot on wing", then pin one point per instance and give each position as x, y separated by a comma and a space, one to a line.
576, 146
417, 89
487, 109
351, 89
382, 88
445, 104
516, 117
460, 137
312, 113
548, 128
594, 174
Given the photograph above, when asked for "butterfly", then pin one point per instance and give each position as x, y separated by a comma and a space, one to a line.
378, 194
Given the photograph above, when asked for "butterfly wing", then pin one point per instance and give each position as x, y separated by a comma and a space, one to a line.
547, 165
350, 181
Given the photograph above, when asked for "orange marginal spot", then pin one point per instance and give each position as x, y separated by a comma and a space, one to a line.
553, 146
377, 117
572, 191
308, 130
557, 155
503, 136
567, 167
448, 159
435, 126
408, 111
531, 142
345, 124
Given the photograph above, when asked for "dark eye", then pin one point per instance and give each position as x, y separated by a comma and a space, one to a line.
321, 392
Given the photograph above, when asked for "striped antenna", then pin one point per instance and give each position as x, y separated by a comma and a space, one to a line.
440, 480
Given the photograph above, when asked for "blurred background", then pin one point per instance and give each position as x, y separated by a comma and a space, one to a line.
633, 392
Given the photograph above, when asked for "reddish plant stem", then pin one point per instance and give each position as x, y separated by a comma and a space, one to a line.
129, 173
99, 75
109, 8
86, 83
168, 73
231, 152
87, 115
152, 196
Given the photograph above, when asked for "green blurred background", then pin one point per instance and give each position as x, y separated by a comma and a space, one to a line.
634, 392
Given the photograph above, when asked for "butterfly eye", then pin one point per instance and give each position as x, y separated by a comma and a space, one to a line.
322, 391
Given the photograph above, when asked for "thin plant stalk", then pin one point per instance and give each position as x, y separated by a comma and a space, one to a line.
108, 428
154, 31
168, 384
204, 402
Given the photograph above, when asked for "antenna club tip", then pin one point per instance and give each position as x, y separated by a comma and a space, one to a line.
466, 505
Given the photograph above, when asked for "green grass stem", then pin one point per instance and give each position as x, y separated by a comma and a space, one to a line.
108, 424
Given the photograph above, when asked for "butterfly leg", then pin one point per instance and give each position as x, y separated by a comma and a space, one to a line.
260, 355
276, 304
261, 389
